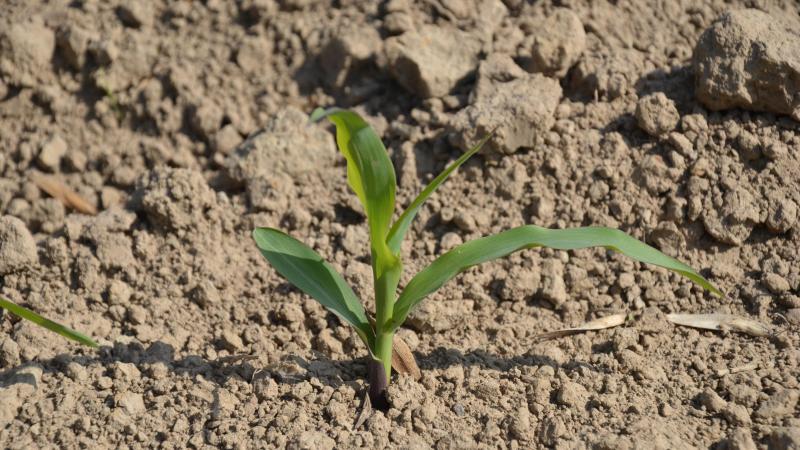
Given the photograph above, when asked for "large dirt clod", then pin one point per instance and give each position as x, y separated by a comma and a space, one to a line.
750, 59
431, 61
518, 107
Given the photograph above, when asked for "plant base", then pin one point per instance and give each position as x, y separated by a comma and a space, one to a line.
377, 385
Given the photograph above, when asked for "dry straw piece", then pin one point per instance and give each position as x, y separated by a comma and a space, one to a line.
592, 325
403, 360
721, 322
60, 191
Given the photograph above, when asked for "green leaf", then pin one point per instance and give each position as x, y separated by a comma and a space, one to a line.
398, 231
46, 323
370, 174
528, 236
306, 269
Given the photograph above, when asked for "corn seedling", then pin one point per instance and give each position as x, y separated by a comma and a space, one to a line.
371, 176
27, 314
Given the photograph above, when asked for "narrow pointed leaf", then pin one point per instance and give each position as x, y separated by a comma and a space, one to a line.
46, 323
370, 174
307, 270
528, 236
398, 231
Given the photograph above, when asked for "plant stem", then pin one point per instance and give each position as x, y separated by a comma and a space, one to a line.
383, 347
386, 280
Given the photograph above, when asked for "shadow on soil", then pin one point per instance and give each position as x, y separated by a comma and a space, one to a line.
291, 369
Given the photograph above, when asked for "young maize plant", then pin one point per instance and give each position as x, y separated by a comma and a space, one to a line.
46, 323
371, 176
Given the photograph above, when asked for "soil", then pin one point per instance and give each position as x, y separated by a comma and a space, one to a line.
184, 123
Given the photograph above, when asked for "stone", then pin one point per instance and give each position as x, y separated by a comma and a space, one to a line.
505, 107
572, 395
781, 213
739, 439
348, 52
734, 221
784, 438
135, 14
737, 415
205, 118
173, 199
226, 139
776, 283
312, 440
668, 238
253, 52
130, 402
438, 315
558, 44
749, 59
287, 144
780, 404
51, 153
16, 386
9, 352
553, 289
73, 43
17, 247
231, 341
26, 49
656, 114
431, 61
711, 401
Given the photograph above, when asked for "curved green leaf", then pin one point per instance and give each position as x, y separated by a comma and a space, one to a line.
398, 231
306, 269
528, 236
370, 174
46, 323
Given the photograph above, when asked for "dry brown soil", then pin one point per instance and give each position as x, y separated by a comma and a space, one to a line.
144, 108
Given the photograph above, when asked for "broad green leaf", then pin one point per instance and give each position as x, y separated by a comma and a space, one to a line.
398, 231
306, 269
528, 236
46, 323
370, 174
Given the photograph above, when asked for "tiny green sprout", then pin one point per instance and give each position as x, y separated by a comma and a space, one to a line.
55, 327
371, 176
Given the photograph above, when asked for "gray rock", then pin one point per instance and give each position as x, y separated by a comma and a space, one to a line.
431, 61
779, 404
51, 153
558, 44
312, 439
787, 438
553, 289
26, 49
136, 14
130, 402
739, 439
572, 395
750, 59
734, 221
174, 199
252, 53
17, 247
17, 386
438, 315
286, 145
348, 52
668, 238
520, 110
656, 114
73, 43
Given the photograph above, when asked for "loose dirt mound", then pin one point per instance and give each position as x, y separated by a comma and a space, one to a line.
184, 124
